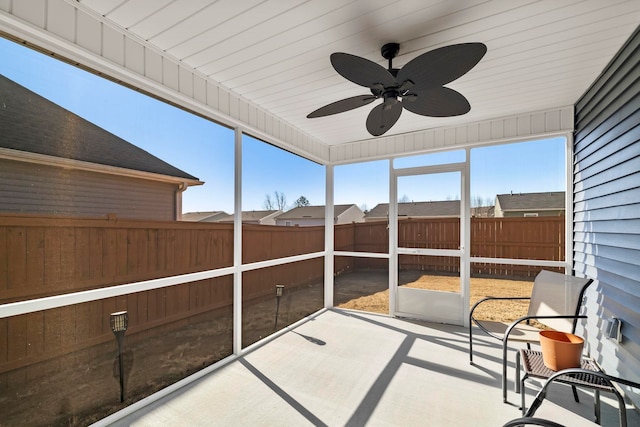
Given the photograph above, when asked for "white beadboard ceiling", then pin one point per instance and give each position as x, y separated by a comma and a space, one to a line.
542, 54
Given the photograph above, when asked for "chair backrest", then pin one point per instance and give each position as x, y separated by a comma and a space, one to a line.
557, 294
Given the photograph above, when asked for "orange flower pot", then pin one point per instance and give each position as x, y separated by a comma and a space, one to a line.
561, 350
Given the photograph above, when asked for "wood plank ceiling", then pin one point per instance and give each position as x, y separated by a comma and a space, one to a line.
542, 54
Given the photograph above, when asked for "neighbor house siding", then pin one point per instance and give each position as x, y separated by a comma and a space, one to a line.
515, 214
353, 214
607, 210
311, 222
33, 188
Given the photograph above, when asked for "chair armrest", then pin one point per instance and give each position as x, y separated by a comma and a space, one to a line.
527, 318
494, 299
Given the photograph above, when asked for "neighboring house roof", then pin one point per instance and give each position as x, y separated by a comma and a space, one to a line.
250, 216
33, 124
483, 211
418, 209
531, 201
312, 212
203, 216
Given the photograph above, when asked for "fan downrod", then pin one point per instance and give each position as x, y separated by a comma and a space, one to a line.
390, 51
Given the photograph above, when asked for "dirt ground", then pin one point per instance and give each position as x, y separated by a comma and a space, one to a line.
368, 291
80, 388
83, 387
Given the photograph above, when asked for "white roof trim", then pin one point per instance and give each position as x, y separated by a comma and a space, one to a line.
540, 124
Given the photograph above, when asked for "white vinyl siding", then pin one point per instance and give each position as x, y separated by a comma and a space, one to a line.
607, 210
33, 188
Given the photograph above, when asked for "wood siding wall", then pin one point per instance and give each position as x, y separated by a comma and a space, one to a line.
33, 188
607, 210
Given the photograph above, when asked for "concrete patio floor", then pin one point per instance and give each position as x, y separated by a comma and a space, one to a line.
349, 368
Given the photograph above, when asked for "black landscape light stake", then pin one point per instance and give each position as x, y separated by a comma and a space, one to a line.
279, 289
119, 323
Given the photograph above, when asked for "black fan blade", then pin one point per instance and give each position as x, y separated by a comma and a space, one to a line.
441, 66
382, 117
361, 71
437, 102
342, 106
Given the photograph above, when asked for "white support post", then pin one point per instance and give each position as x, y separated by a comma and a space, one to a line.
465, 237
392, 219
328, 238
237, 244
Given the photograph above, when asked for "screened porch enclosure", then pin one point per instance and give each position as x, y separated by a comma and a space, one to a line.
198, 295
174, 331
331, 324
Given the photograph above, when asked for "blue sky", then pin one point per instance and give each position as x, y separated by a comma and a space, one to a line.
205, 149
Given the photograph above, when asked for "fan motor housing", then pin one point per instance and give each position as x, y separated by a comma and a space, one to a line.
390, 50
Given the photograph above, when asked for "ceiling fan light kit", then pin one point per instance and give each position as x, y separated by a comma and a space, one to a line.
418, 86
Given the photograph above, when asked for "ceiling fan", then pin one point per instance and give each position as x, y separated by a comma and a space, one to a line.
419, 84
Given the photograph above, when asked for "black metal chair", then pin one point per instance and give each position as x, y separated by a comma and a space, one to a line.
555, 302
578, 375
530, 421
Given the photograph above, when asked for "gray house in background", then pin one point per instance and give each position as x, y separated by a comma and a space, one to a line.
267, 217
56, 163
211, 216
530, 204
314, 215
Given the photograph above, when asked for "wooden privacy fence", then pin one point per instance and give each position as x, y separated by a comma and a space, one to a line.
541, 238
43, 256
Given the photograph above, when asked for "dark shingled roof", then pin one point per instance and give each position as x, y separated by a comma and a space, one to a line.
532, 201
418, 209
31, 123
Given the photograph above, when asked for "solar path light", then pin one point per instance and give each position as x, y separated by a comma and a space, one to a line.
279, 290
119, 323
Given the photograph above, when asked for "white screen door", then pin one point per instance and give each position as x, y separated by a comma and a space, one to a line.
427, 226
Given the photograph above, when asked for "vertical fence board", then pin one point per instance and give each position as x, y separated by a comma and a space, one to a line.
109, 259
4, 340
82, 322
17, 257
17, 341
96, 254
152, 251
35, 333
132, 308
4, 260
53, 330
68, 335
96, 320
69, 269
35, 257
121, 249
142, 307
82, 252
